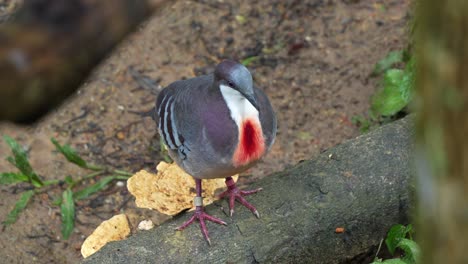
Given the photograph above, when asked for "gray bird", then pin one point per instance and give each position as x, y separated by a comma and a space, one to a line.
216, 126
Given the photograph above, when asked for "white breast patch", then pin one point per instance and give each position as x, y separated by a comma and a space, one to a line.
239, 107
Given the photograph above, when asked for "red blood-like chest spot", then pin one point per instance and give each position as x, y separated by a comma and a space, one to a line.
251, 145
249, 141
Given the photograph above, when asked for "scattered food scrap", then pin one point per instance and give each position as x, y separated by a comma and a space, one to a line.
170, 191
116, 228
145, 225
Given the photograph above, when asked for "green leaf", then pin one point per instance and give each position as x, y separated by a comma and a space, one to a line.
57, 201
19, 207
12, 178
395, 235
94, 188
241, 19
411, 249
69, 153
363, 123
386, 63
20, 161
407, 82
123, 173
396, 92
390, 261
69, 179
67, 209
389, 99
249, 60
164, 151
394, 261
51, 182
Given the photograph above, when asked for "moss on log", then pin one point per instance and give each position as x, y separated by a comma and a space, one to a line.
361, 185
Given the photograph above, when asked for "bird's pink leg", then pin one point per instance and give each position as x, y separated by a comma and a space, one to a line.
235, 194
200, 214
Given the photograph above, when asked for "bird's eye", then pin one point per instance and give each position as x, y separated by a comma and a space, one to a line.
230, 84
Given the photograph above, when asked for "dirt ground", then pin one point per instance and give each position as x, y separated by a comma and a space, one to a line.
314, 59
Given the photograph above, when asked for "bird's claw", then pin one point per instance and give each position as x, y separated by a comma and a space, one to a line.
201, 216
235, 194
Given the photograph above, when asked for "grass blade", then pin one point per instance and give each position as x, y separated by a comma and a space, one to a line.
51, 182
19, 207
86, 192
20, 161
67, 209
164, 151
12, 178
249, 60
69, 153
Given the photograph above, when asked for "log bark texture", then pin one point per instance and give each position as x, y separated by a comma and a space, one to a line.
361, 185
49, 47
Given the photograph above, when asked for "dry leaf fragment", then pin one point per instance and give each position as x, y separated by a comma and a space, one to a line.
116, 228
339, 230
171, 190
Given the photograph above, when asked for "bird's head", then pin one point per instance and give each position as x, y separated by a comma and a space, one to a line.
236, 76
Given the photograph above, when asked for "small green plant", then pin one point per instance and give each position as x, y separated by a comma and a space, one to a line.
395, 92
400, 238
247, 61
164, 152
364, 124
392, 59
70, 195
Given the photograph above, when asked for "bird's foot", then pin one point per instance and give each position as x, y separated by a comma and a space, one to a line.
235, 194
201, 216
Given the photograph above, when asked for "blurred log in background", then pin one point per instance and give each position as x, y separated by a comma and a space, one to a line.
48, 47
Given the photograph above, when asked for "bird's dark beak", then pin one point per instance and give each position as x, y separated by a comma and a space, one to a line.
252, 100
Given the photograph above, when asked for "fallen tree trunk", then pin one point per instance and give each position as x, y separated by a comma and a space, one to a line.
361, 185
49, 47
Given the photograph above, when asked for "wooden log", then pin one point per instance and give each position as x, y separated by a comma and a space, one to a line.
361, 186
50, 46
